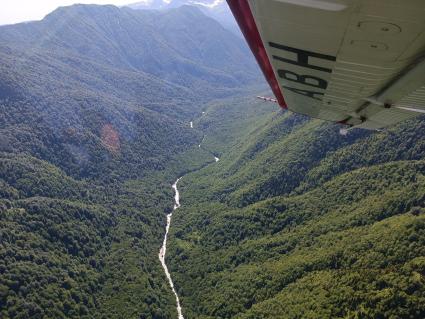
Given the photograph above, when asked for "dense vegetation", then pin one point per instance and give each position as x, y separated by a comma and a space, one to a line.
95, 104
294, 221
90, 88
297, 221
64, 241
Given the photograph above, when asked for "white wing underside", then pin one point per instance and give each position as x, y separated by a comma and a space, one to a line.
332, 58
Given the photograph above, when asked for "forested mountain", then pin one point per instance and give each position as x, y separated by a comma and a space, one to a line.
84, 69
293, 221
95, 104
297, 221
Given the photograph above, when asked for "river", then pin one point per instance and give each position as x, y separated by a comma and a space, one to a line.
163, 249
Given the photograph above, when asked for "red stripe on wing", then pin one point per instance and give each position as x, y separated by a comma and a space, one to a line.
243, 15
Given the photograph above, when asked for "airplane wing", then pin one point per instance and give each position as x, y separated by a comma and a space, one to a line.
357, 62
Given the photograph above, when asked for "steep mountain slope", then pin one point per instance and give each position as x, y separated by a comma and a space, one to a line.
95, 104
201, 54
87, 69
297, 221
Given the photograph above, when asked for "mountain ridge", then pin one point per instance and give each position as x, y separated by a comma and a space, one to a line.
84, 73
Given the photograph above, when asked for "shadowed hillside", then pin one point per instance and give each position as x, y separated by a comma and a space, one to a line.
136, 76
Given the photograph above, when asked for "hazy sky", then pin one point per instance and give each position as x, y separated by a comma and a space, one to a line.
13, 11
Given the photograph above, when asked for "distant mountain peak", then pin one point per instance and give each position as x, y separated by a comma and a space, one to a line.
208, 4
149, 4
165, 4
216, 9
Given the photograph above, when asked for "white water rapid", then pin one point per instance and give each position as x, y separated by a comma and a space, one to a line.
163, 249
